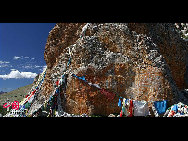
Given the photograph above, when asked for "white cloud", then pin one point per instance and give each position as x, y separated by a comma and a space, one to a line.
30, 66
15, 74
38, 66
4, 62
16, 57
22, 57
5, 65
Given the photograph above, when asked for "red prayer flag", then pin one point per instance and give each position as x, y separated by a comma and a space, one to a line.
131, 108
57, 82
121, 113
108, 94
33, 92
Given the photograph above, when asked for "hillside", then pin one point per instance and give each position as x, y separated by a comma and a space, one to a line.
15, 95
1, 92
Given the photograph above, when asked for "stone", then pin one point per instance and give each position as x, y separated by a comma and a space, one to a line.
132, 60
111, 115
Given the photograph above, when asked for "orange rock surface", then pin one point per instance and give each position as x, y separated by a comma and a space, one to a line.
134, 60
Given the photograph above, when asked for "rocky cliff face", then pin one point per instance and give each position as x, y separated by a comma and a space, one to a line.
133, 60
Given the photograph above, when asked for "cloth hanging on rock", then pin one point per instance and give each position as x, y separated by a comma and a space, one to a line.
130, 108
125, 107
81, 78
57, 82
27, 105
119, 103
154, 110
140, 108
33, 92
161, 106
175, 108
178, 110
69, 62
31, 99
57, 90
121, 113
96, 85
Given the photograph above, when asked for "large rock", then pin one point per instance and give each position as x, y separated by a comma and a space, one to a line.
137, 61
171, 47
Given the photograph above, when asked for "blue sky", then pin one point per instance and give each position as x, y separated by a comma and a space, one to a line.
21, 52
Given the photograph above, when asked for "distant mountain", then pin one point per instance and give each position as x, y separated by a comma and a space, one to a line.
1, 92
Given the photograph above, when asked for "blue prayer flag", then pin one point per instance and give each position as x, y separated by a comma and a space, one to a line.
119, 103
81, 78
160, 106
57, 90
69, 62
175, 108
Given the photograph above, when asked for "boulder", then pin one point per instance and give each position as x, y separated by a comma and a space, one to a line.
133, 60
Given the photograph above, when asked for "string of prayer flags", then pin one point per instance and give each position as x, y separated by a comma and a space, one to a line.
109, 95
26, 102
81, 78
